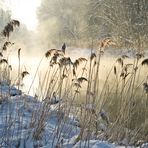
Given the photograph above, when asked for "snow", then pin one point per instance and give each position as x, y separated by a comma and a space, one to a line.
21, 114
11, 90
95, 144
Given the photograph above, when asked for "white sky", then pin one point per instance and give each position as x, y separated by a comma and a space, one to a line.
24, 11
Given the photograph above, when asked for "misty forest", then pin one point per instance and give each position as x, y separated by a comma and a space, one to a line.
78, 77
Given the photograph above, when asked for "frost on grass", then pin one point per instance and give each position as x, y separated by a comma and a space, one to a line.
27, 122
19, 118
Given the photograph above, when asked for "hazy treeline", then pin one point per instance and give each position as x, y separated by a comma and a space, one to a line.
5, 16
79, 22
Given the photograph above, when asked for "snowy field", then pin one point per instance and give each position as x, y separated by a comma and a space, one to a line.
21, 117
26, 122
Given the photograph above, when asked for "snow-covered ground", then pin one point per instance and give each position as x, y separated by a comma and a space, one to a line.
17, 128
21, 116
27, 122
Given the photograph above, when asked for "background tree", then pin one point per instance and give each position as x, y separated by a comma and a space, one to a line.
82, 21
5, 17
62, 20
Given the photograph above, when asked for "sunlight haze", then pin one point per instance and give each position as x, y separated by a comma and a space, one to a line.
24, 11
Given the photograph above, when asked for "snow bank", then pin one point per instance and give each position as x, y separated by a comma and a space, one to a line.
19, 118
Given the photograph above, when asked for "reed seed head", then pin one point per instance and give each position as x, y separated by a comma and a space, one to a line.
145, 62
24, 73
120, 61
145, 86
3, 61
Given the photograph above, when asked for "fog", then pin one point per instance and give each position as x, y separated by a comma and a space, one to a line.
79, 24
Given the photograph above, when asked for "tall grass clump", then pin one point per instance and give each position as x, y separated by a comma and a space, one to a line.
109, 106
5, 67
113, 109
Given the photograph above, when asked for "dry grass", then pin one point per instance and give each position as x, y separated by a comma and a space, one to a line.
119, 102
122, 95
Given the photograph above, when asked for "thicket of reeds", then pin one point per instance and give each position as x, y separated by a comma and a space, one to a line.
114, 109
